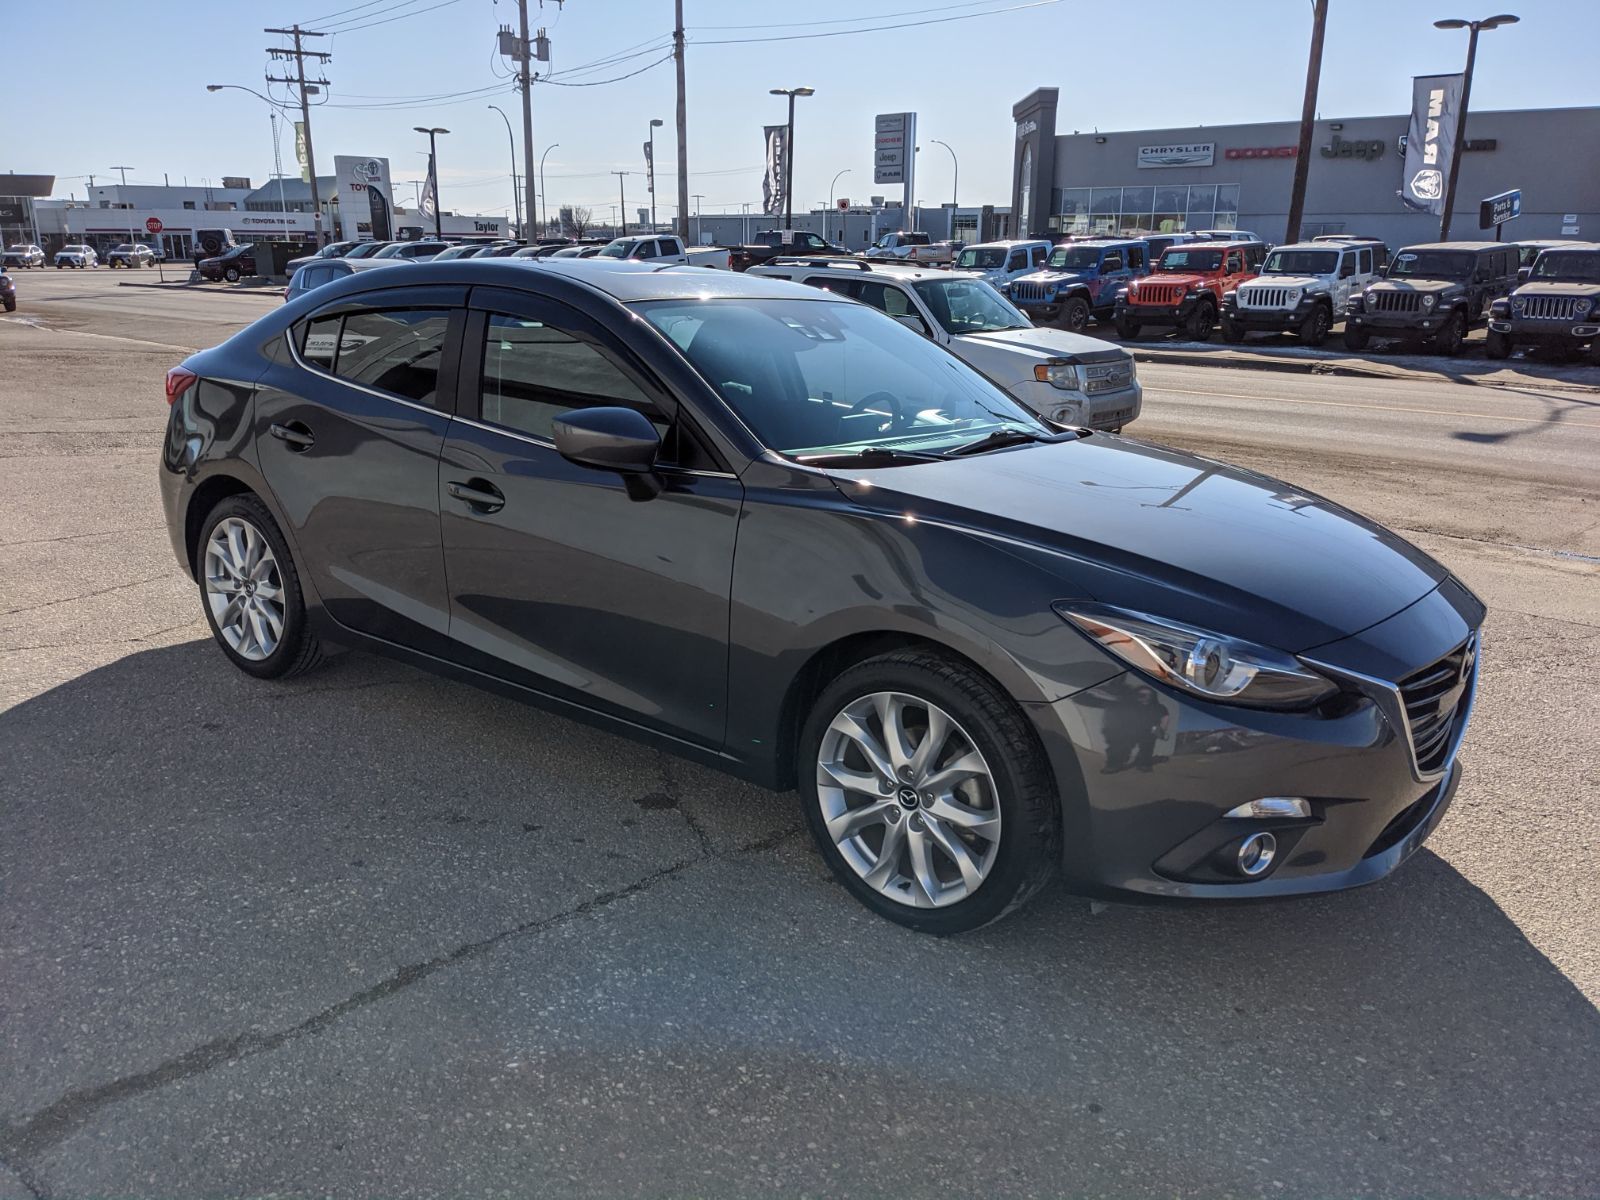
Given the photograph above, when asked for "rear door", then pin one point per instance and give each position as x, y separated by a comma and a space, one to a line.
349, 436
560, 580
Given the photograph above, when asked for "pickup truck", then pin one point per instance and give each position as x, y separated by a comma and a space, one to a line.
665, 249
770, 243
913, 247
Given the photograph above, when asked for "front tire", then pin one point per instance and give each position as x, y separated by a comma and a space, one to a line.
927, 792
1127, 328
1315, 328
1200, 322
1497, 344
1232, 331
231, 274
1075, 315
1449, 338
250, 591
1355, 339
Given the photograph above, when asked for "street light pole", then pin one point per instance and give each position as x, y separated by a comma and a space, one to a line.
433, 173
545, 221
516, 193
836, 178
1466, 96
955, 187
650, 161
788, 152
698, 228
622, 194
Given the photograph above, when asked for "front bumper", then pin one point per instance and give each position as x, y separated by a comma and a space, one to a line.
1552, 332
1146, 774
1103, 410
1398, 325
1268, 320
1159, 314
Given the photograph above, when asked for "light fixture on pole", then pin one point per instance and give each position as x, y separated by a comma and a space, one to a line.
277, 161
955, 187
650, 169
846, 171
545, 210
1466, 97
516, 193
788, 152
433, 175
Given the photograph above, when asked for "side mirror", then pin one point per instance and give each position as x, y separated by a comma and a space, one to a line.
609, 439
1523, 273
1383, 272
914, 323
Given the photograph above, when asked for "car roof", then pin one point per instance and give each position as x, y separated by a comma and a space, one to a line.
851, 268
1568, 244
1352, 244
1228, 245
1473, 246
623, 281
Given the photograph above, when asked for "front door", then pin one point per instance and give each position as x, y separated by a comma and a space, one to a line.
349, 442
561, 578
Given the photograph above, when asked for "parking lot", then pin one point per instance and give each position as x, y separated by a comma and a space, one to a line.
375, 933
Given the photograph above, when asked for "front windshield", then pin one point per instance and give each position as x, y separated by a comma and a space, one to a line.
616, 250
1075, 258
982, 257
825, 376
1301, 262
366, 250
125, 248
1575, 266
1432, 264
969, 306
1191, 260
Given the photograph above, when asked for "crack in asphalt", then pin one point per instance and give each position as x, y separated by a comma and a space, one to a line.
26, 1179
72, 537
118, 587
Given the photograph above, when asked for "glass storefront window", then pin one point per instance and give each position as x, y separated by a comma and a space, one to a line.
1227, 200
1106, 202
1138, 199
1146, 209
1202, 197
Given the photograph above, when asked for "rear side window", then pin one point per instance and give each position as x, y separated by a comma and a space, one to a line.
1040, 256
1111, 262
1235, 262
1366, 261
321, 342
1135, 258
390, 350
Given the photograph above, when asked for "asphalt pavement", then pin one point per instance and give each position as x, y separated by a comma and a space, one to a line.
371, 933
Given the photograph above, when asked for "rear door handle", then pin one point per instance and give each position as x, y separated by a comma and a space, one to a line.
295, 434
479, 495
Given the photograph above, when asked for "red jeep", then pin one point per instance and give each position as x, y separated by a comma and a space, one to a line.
1187, 287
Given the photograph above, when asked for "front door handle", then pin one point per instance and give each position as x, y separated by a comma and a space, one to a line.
479, 495
295, 434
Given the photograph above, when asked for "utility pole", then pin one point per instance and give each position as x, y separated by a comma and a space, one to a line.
683, 129
1308, 117
622, 193
525, 54
299, 81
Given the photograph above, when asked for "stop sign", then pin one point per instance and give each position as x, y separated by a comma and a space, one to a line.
153, 224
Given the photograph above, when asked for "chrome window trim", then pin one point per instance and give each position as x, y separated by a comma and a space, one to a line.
294, 353
1386, 694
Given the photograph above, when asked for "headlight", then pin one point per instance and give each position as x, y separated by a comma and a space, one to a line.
1204, 664
1428, 302
1582, 305
1518, 303
1057, 374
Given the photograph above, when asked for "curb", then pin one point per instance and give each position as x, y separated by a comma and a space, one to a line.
1357, 370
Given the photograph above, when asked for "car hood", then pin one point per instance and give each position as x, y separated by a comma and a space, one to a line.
1155, 530
1558, 287
979, 272
1186, 279
1046, 343
1415, 285
1053, 276
1285, 281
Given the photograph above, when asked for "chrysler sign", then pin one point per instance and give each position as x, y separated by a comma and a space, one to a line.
1190, 154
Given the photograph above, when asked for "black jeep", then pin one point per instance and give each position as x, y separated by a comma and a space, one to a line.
1557, 304
1432, 293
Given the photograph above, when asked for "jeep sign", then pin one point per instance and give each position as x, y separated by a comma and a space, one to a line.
1430, 142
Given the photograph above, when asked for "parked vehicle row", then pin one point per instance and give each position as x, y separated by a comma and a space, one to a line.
1555, 305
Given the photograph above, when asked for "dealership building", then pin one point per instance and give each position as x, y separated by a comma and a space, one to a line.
1240, 176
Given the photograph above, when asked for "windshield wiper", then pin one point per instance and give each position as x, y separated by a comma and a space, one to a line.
1000, 439
871, 456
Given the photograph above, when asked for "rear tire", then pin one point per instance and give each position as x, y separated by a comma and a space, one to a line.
1355, 339
1075, 315
1315, 328
1497, 344
991, 836
231, 274
250, 591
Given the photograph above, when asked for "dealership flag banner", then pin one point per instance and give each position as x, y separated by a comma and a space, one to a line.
300, 151
429, 204
772, 183
1430, 141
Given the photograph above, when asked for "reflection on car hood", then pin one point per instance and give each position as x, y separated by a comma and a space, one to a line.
1053, 276
1156, 530
1285, 281
1558, 287
1416, 285
1187, 279
1047, 343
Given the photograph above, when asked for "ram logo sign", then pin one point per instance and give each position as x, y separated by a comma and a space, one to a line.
1430, 141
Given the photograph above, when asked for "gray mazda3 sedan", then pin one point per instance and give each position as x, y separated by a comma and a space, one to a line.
776, 531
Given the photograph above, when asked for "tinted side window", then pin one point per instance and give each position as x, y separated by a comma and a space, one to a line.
320, 341
534, 372
1235, 262
395, 351
1017, 261
885, 299
1111, 262
1136, 258
1366, 261
1347, 263
1040, 256
670, 246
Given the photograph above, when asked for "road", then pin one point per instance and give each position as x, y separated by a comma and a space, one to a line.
375, 934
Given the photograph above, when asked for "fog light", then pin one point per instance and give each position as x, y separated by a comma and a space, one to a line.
1256, 853
1279, 808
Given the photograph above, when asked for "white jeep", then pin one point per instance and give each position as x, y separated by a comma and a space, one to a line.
1302, 289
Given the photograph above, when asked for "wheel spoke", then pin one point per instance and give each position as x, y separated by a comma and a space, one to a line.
234, 540
920, 847
268, 591
853, 781
956, 850
981, 821
932, 744
852, 821
253, 543
852, 728
271, 616
258, 627
968, 766
891, 716
894, 841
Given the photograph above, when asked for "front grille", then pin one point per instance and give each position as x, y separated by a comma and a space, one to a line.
1267, 297
1024, 292
1548, 308
1434, 703
1160, 293
1107, 377
1394, 301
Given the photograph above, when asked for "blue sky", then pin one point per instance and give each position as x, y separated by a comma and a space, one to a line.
1239, 61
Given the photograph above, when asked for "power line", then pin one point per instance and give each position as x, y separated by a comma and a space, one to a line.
911, 12
341, 12
804, 37
416, 12
615, 79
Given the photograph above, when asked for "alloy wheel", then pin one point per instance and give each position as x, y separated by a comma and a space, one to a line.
244, 589
908, 800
